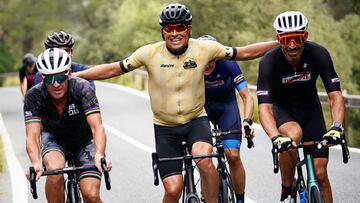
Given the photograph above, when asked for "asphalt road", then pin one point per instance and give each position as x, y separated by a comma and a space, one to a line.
128, 120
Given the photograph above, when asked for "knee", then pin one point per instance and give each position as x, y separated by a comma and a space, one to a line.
204, 165
233, 158
173, 191
321, 175
91, 196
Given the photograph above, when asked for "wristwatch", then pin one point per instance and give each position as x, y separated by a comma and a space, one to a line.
248, 120
338, 125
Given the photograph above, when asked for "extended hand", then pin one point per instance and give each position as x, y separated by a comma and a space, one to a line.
333, 135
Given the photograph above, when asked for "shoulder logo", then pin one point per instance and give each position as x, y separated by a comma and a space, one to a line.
72, 110
189, 63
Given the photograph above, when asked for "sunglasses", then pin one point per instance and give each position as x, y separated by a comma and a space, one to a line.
177, 27
51, 79
297, 38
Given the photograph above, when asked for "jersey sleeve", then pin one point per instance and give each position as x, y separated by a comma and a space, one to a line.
264, 81
135, 60
219, 51
327, 72
236, 75
32, 106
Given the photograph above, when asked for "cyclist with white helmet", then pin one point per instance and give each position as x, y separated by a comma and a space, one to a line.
176, 86
290, 110
223, 80
63, 40
63, 115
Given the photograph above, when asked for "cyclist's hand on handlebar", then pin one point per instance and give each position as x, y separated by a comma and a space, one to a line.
98, 162
281, 143
333, 135
247, 122
38, 170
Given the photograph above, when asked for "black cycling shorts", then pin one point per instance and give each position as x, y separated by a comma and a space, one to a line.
311, 121
83, 156
168, 142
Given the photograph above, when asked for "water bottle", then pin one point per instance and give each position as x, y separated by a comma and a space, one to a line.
302, 196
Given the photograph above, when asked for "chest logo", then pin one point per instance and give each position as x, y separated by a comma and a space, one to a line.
300, 77
72, 110
189, 63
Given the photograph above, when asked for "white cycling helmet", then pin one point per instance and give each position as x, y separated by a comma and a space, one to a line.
290, 21
53, 61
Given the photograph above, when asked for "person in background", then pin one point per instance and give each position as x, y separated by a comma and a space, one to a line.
27, 73
64, 41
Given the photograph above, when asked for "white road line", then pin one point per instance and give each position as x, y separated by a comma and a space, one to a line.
17, 176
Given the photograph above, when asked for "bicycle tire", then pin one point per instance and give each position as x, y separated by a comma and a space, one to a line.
226, 191
73, 193
315, 195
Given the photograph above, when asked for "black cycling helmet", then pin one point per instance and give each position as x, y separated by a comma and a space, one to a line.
29, 59
175, 13
207, 37
59, 39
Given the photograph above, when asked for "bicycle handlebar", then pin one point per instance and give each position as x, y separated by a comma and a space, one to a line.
344, 148
250, 143
106, 173
67, 170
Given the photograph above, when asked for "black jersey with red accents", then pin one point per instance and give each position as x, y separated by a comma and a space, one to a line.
72, 127
279, 83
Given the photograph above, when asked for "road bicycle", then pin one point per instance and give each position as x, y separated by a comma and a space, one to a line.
190, 194
226, 190
73, 194
308, 192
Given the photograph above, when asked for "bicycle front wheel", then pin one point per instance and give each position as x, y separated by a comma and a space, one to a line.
73, 193
315, 195
226, 191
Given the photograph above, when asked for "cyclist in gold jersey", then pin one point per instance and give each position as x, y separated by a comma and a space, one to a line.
177, 93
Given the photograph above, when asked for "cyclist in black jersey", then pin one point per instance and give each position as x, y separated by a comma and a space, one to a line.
176, 86
289, 106
63, 115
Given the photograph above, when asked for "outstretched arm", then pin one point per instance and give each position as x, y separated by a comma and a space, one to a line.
255, 50
248, 101
101, 72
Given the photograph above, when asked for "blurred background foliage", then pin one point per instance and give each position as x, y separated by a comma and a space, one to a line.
110, 30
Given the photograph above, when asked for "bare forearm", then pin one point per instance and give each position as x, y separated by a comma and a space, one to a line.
267, 120
255, 50
101, 72
33, 150
99, 140
248, 106
337, 107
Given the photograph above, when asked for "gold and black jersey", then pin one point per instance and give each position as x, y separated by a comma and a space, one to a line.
176, 82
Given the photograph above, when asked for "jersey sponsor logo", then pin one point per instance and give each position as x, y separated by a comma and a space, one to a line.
215, 83
27, 113
262, 92
228, 52
189, 63
302, 77
167, 65
72, 110
238, 78
335, 80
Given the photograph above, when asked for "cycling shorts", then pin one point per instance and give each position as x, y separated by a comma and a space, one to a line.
82, 156
169, 140
311, 121
227, 116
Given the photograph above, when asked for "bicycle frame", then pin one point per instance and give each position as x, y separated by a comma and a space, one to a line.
312, 187
189, 188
